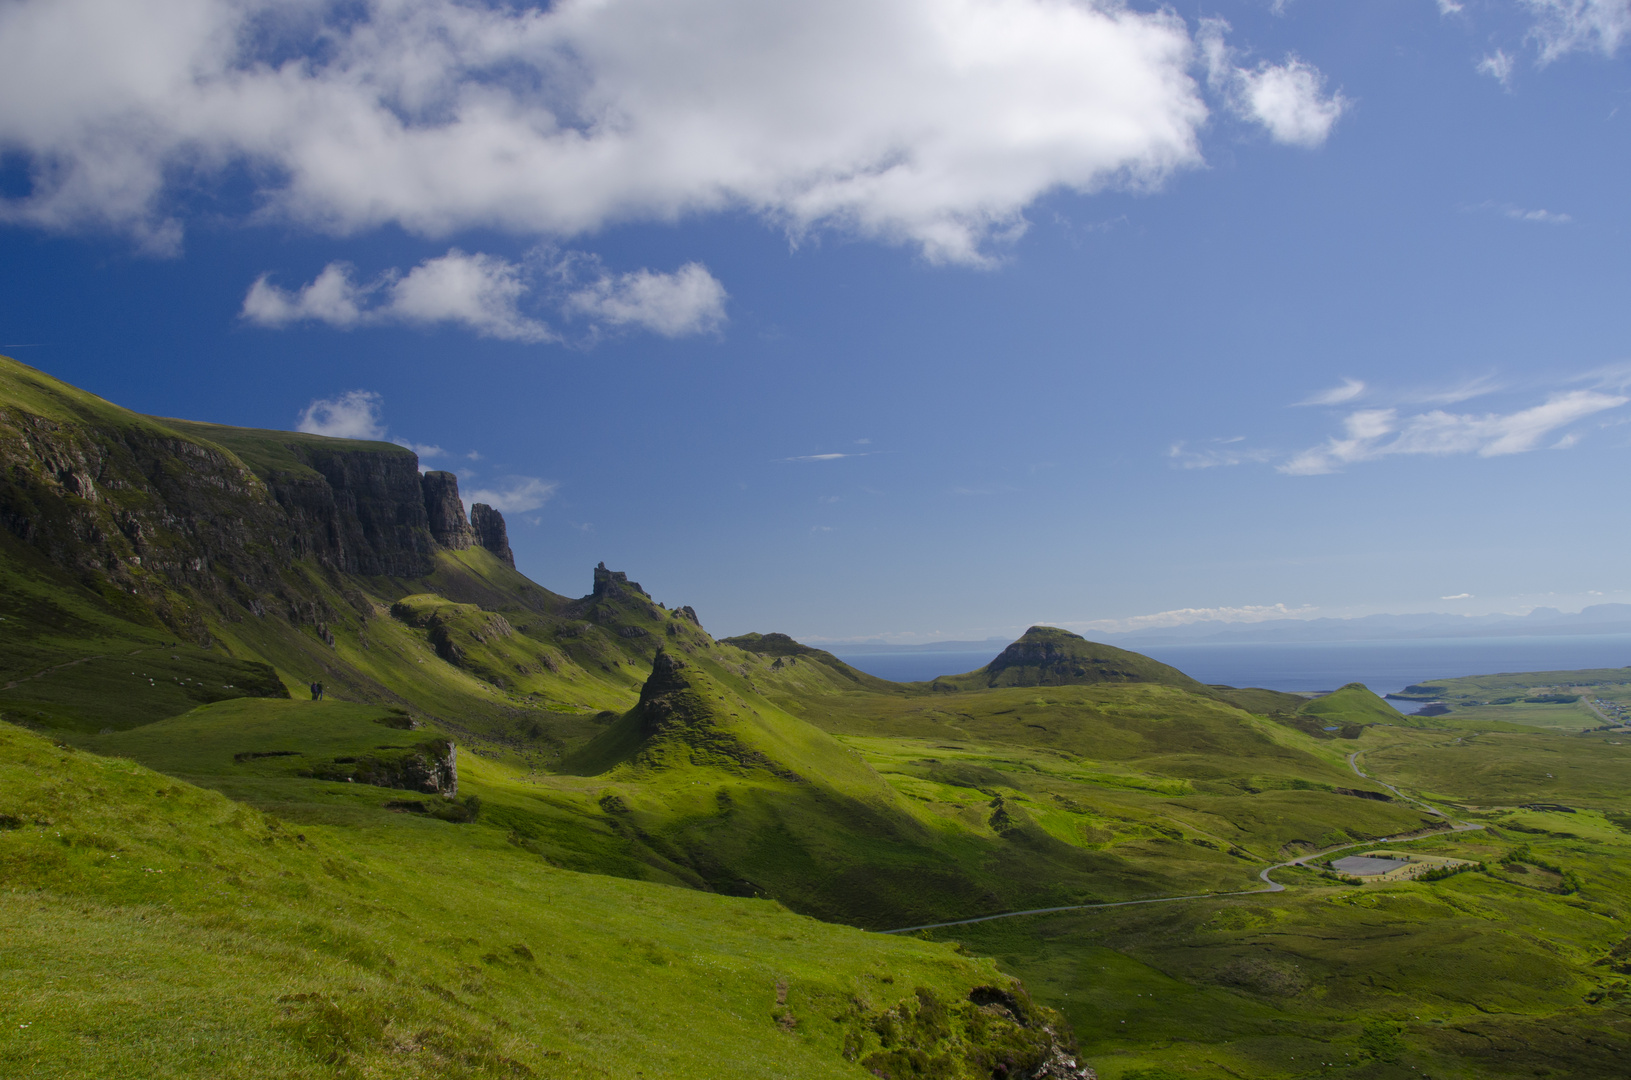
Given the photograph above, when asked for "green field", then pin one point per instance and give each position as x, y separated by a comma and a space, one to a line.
666, 854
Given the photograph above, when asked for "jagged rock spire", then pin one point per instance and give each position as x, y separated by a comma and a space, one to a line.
446, 511
614, 584
488, 525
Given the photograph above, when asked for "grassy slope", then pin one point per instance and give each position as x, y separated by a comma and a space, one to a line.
158, 930
1353, 705
1500, 973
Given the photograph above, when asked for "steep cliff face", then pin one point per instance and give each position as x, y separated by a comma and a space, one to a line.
445, 510
173, 513
362, 513
488, 525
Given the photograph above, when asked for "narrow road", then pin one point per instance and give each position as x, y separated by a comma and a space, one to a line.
1352, 764
1585, 698
1269, 886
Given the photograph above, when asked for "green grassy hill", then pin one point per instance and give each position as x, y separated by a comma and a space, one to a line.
292, 891
158, 930
1351, 708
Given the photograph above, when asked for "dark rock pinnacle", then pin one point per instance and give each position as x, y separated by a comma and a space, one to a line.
445, 511
488, 525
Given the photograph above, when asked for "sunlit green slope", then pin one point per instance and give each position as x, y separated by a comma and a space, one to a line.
157, 930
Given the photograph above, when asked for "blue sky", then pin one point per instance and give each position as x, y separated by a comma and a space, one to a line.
905, 318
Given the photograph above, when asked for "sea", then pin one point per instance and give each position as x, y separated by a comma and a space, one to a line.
1384, 666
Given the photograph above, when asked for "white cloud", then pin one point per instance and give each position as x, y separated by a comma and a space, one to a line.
1458, 596
1450, 7
1221, 452
424, 450
516, 494
821, 457
688, 301
1498, 66
479, 292
484, 293
1519, 213
1288, 99
1249, 613
1350, 389
352, 415
927, 122
1565, 26
332, 297
1369, 434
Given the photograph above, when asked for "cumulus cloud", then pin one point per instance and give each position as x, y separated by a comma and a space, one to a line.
516, 494
927, 122
1565, 26
1288, 99
688, 301
1370, 434
1248, 613
484, 293
478, 292
354, 414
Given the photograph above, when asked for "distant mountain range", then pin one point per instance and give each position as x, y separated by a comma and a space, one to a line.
1541, 622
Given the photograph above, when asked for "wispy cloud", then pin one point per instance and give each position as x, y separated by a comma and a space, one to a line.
1249, 613
485, 293
1220, 453
1372, 434
1565, 26
424, 450
1498, 66
354, 414
1519, 213
1289, 99
1347, 391
1458, 596
516, 494
827, 457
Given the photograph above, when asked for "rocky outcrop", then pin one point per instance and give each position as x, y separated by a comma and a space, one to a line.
445, 510
488, 525
431, 767
614, 585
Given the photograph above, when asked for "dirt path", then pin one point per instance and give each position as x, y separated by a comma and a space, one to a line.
12, 685
1269, 884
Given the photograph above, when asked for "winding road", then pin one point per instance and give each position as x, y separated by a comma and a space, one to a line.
1269, 884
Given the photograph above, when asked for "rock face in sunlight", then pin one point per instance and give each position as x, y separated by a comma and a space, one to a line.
488, 525
445, 512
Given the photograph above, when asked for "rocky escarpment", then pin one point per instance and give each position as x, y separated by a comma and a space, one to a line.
445, 511
361, 513
488, 525
178, 518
